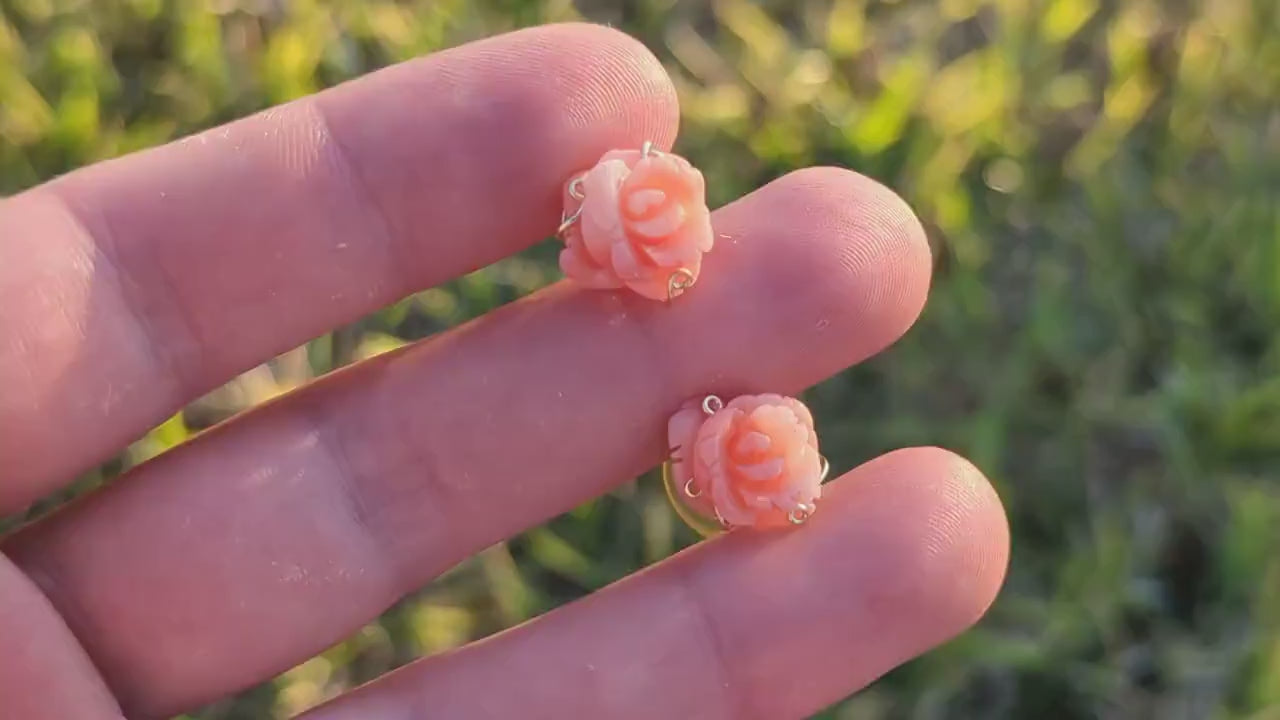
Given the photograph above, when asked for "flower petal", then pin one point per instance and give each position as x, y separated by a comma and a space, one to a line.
751, 446
679, 250
730, 505
766, 472
659, 229
644, 203
748, 403
601, 220
800, 409
627, 263
682, 433
578, 265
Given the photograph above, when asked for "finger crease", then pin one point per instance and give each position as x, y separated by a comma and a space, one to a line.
158, 342
735, 696
398, 258
350, 486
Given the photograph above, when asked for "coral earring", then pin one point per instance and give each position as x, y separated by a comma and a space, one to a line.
638, 220
752, 462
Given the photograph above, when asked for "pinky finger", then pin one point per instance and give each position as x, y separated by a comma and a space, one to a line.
908, 551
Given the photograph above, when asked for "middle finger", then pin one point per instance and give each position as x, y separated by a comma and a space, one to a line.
269, 538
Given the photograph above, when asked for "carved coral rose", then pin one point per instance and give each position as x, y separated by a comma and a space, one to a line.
642, 222
753, 462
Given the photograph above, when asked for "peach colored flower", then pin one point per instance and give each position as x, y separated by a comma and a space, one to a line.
754, 462
643, 220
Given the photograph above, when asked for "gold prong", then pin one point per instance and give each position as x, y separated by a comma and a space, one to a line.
720, 519
680, 281
802, 513
712, 404
567, 222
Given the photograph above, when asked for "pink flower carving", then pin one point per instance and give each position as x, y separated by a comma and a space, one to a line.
754, 462
643, 224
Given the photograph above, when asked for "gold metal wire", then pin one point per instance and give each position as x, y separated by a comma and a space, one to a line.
712, 404
682, 279
575, 191
567, 221
704, 525
720, 519
802, 513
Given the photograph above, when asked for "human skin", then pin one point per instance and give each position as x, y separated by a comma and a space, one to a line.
131, 287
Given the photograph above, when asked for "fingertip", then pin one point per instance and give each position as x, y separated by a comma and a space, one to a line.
905, 552
943, 525
632, 76
845, 250
881, 256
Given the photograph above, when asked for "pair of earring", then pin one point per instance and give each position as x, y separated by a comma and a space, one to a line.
638, 221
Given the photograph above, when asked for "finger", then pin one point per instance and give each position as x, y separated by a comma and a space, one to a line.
44, 673
906, 552
295, 525
131, 287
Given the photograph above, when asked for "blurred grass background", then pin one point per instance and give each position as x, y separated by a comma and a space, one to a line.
1101, 182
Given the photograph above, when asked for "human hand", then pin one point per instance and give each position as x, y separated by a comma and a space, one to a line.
129, 288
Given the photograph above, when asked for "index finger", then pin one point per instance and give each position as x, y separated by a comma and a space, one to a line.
129, 288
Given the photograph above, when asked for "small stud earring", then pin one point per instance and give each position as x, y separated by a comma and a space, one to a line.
638, 220
751, 462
